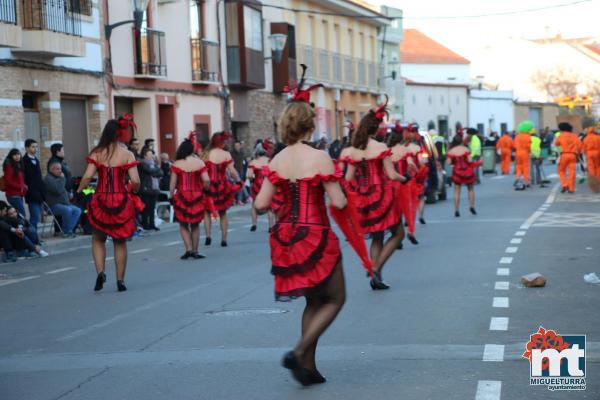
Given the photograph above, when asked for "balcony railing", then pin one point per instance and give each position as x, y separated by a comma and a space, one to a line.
62, 16
8, 11
338, 69
150, 58
205, 61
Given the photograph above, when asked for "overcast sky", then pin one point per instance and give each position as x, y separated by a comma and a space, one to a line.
467, 35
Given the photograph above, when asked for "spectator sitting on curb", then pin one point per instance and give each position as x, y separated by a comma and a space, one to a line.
58, 200
17, 234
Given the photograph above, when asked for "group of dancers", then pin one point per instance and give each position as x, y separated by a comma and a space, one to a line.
373, 186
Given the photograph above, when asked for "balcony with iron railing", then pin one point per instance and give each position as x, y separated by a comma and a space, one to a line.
205, 61
51, 28
10, 31
150, 60
340, 70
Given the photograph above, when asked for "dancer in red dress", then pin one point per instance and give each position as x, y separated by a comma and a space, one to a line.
305, 252
221, 189
111, 211
189, 179
373, 192
463, 173
257, 177
403, 157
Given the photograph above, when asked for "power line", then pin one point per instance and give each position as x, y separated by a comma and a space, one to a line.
497, 14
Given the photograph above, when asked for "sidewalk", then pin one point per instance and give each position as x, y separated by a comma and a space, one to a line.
56, 246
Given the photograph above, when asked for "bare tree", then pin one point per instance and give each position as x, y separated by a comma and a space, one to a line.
556, 82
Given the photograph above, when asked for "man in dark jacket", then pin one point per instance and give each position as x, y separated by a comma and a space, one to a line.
58, 155
150, 174
34, 182
58, 199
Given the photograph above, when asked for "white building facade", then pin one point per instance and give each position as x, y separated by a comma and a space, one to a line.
491, 110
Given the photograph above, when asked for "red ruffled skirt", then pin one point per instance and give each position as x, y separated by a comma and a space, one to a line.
303, 258
464, 175
112, 214
376, 206
256, 185
222, 193
407, 206
189, 206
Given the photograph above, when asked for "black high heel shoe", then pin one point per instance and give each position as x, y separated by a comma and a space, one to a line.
223, 243
456, 214
472, 209
412, 239
316, 377
300, 374
196, 256
186, 255
422, 221
253, 228
377, 282
207, 241
100, 280
121, 286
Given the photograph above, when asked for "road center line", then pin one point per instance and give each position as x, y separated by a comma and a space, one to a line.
506, 260
520, 233
516, 241
501, 285
493, 352
488, 390
173, 243
139, 251
500, 302
11, 281
511, 250
499, 324
531, 220
56, 271
503, 271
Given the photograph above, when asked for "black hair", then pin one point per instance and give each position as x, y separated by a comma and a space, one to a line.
3, 205
456, 141
55, 148
29, 142
109, 136
148, 141
132, 140
145, 150
185, 149
17, 166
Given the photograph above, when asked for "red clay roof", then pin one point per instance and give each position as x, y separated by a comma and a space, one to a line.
593, 48
417, 48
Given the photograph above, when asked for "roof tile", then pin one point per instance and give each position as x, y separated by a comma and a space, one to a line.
418, 48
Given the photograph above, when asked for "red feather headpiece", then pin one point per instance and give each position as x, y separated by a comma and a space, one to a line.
299, 94
381, 110
218, 139
125, 122
194, 139
268, 145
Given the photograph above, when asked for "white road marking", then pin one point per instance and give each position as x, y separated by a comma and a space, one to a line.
499, 177
516, 241
107, 259
173, 243
139, 251
511, 250
56, 271
531, 220
503, 271
506, 260
520, 233
493, 352
499, 324
488, 390
230, 230
11, 281
501, 285
552, 195
500, 302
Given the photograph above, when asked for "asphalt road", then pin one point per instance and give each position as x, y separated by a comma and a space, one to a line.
209, 329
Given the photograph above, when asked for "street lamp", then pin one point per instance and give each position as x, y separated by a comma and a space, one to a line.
139, 6
277, 44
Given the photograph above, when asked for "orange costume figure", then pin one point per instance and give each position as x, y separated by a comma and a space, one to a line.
591, 148
523, 150
505, 146
571, 147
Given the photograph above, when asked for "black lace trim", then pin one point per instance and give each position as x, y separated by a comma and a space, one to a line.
374, 205
104, 225
308, 291
301, 234
113, 210
365, 223
184, 212
307, 264
186, 202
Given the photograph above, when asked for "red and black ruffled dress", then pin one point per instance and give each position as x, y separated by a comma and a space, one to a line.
221, 189
374, 194
463, 170
189, 200
404, 193
259, 178
111, 210
304, 247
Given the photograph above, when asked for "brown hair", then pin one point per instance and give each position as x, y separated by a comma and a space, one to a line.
296, 121
366, 128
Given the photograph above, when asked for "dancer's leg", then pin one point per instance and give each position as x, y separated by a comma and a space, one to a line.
99, 250
184, 230
120, 246
195, 236
224, 224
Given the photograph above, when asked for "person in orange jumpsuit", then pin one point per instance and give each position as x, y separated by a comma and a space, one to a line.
571, 147
591, 149
505, 146
522, 145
